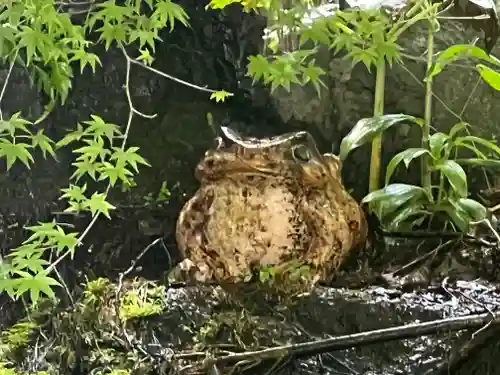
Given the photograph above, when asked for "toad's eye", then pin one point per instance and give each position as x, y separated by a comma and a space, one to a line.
301, 153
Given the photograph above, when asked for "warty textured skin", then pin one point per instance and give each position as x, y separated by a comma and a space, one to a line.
263, 203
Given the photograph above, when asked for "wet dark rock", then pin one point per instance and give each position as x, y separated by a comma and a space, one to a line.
243, 318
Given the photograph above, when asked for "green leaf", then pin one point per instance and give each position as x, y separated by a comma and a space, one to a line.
407, 156
94, 150
128, 157
75, 193
114, 173
146, 38
471, 148
10, 286
41, 232
474, 162
44, 142
220, 4
145, 57
97, 204
475, 209
312, 73
483, 142
457, 129
15, 151
168, 12
62, 240
220, 96
456, 52
85, 58
490, 76
32, 264
27, 251
83, 167
455, 175
399, 218
75, 135
318, 32
368, 128
29, 39
97, 127
112, 33
258, 67
7, 39
14, 124
37, 284
459, 216
436, 143
394, 196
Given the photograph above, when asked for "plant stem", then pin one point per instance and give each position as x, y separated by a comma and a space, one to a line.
396, 32
426, 173
378, 110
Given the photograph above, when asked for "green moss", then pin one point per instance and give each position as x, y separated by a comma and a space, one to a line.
146, 300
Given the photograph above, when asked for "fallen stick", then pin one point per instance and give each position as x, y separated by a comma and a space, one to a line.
358, 339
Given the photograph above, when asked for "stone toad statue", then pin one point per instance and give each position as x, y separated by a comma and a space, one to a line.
263, 203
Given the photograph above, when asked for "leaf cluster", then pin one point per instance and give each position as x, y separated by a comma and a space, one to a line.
25, 268
43, 39
401, 206
282, 71
18, 138
99, 158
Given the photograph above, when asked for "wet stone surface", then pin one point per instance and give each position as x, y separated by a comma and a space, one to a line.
334, 312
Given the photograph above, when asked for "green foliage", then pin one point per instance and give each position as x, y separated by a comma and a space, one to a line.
159, 199
400, 206
46, 41
5, 370
291, 272
367, 129
220, 96
282, 71
460, 52
142, 302
18, 335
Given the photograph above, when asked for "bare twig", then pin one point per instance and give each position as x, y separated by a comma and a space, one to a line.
137, 258
488, 224
474, 301
165, 75
416, 262
5, 83
358, 339
132, 111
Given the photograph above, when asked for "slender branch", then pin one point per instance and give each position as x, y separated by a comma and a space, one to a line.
359, 339
426, 177
132, 111
5, 83
165, 75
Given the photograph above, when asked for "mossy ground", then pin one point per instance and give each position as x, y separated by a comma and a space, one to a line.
137, 327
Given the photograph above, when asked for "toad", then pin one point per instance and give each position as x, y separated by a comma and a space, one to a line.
263, 203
